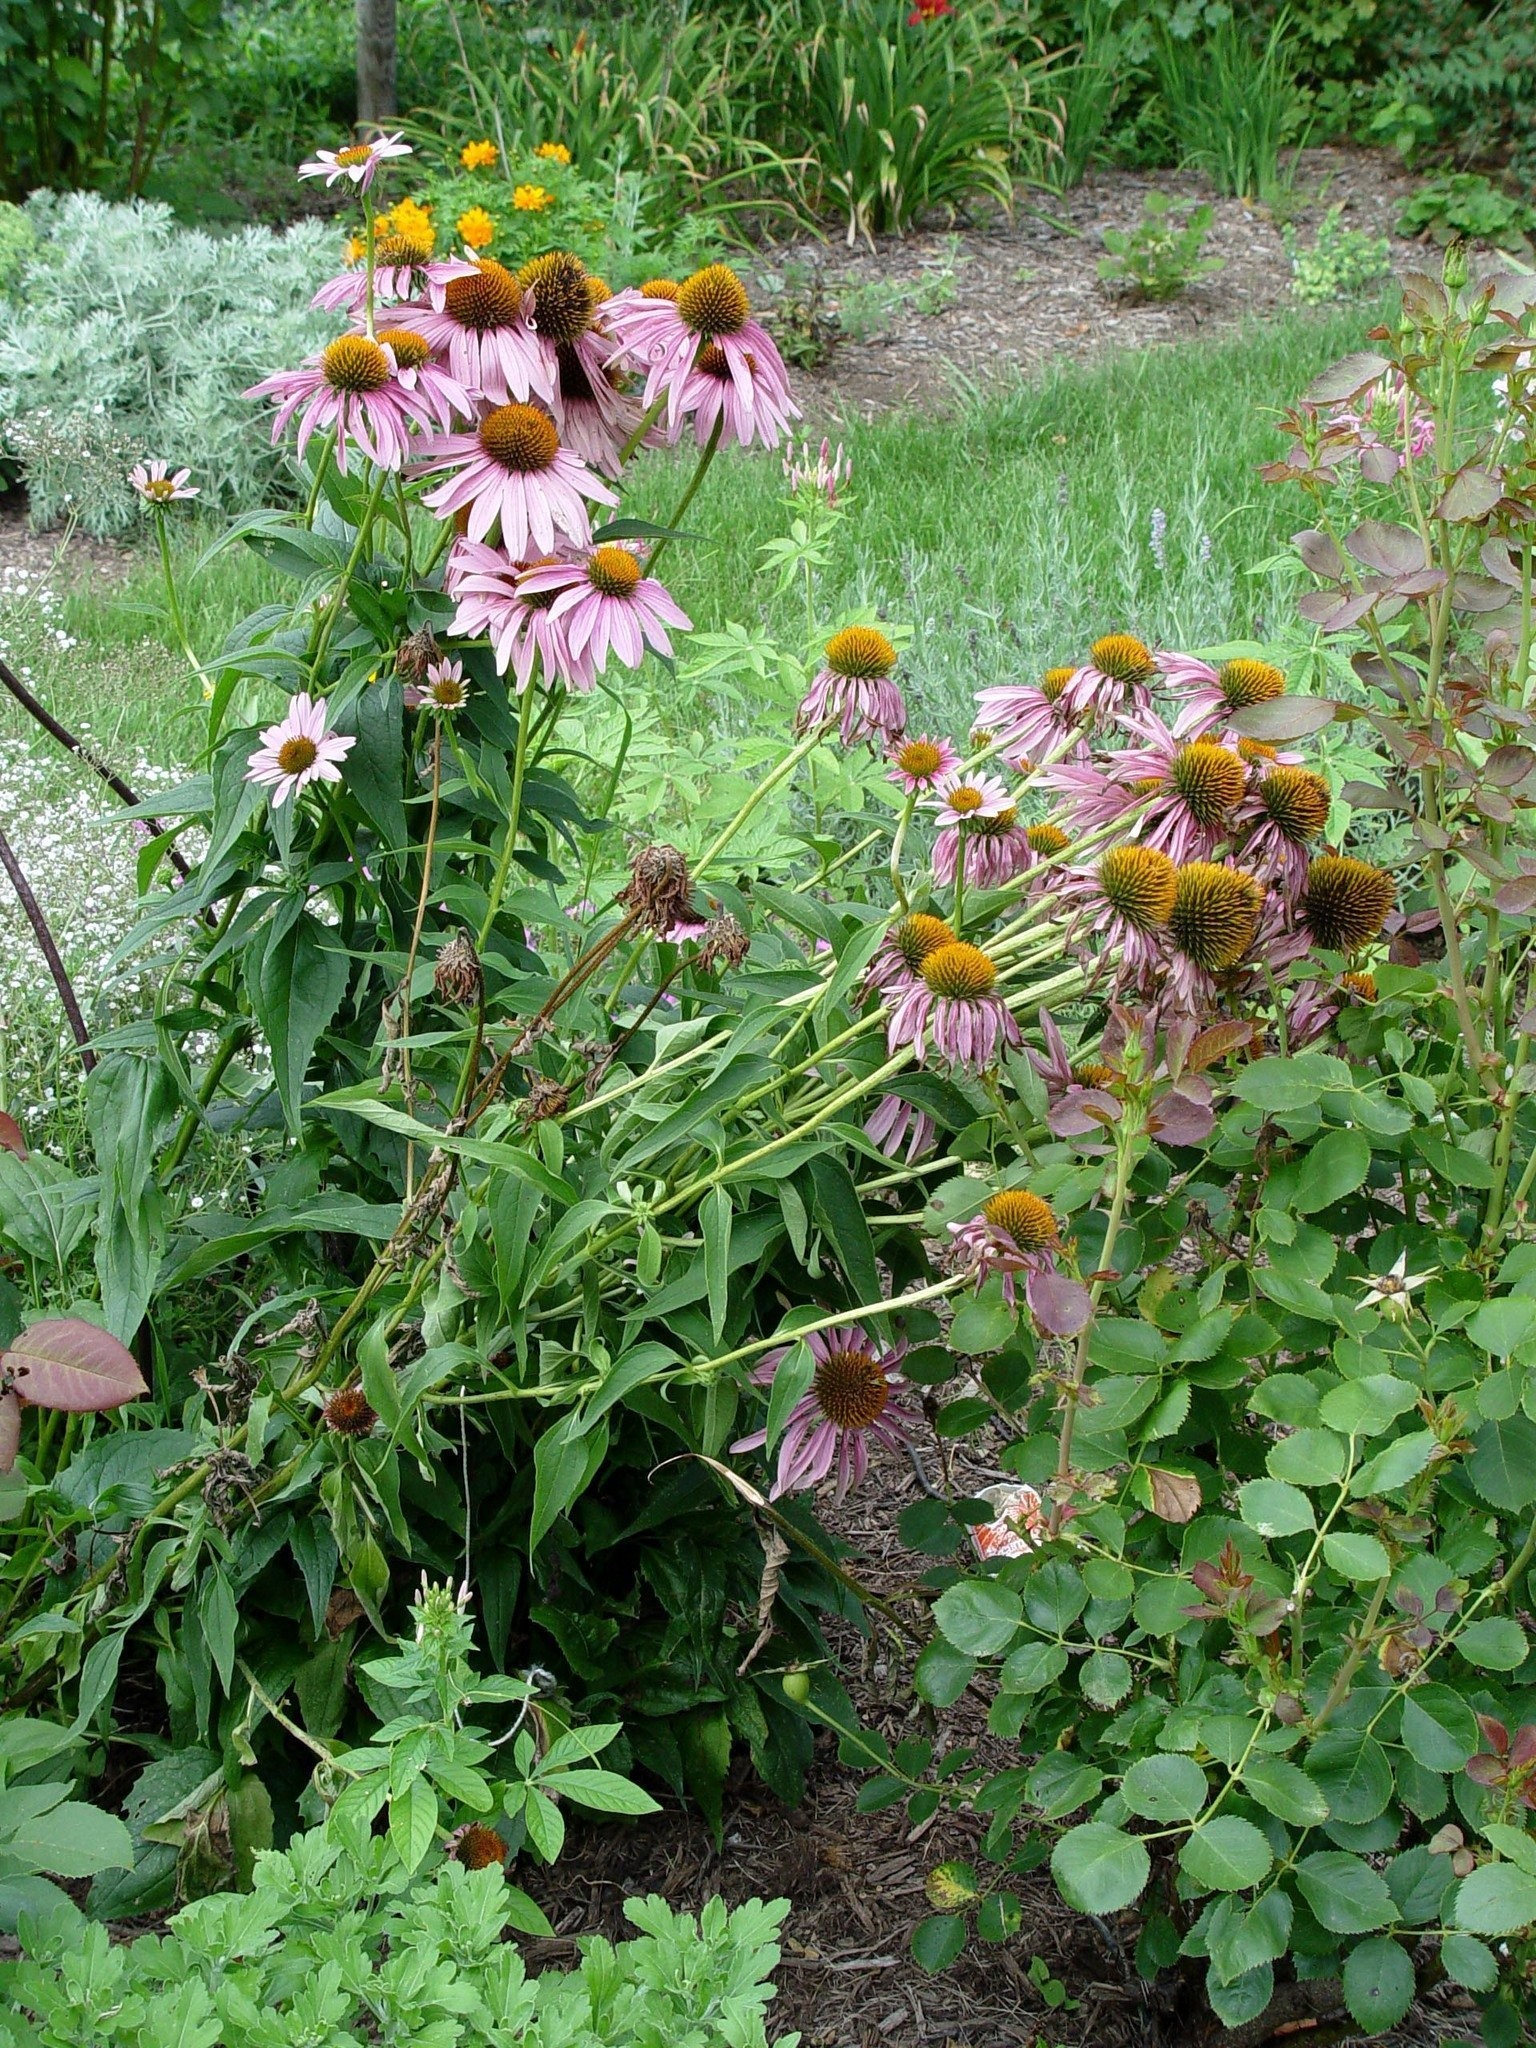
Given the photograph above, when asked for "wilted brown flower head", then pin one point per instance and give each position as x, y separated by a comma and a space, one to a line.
546, 1098
660, 890
413, 654
725, 942
348, 1412
476, 1846
457, 977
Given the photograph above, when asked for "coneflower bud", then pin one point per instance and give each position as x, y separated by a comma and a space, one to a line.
349, 1412
457, 977
660, 890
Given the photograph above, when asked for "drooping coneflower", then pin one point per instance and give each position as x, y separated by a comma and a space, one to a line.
491, 597
511, 474
1126, 902
901, 953
1030, 719
1211, 926
403, 267
1286, 809
416, 370
348, 1412
996, 849
1211, 695
854, 686
1195, 787
712, 397
298, 751
597, 415
1078, 1092
351, 386
1113, 680
1017, 1232
479, 319
606, 604
854, 1397
900, 1129
667, 334
954, 1009
557, 297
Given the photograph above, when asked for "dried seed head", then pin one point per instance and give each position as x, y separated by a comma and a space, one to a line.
660, 890
348, 1412
457, 977
725, 942
477, 1847
545, 1100
414, 653
1346, 901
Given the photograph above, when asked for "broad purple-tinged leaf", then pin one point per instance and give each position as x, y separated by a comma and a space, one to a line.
1179, 1119
1346, 379
1424, 299
1517, 897
1084, 1110
1215, 1042
11, 1136
1060, 1306
1370, 796
1394, 550
1479, 594
1498, 558
10, 1430
1493, 804
1324, 608
1508, 765
64, 1362
1284, 718
1378, 465
1318, 552
1471, 494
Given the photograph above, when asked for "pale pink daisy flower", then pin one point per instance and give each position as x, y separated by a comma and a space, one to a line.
491, 600
667, 334
1211, 696
712, 394
512, 473
900, 1129
997, 848
854, 1397
481, 320
1194, 787
444, 689
953, 1007
156, 486
854, 686
960, 799
350, 386
357, 162
1113, 680
298, 750
1017, 1232
606, 604
917, 764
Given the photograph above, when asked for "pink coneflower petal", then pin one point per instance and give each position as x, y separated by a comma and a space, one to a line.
854, 1394
297, 751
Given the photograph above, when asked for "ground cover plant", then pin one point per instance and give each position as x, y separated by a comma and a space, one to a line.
1132, 1061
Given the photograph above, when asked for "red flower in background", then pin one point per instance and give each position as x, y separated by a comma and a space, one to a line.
928, 10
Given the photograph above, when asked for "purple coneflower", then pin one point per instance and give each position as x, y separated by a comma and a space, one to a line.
900, 1129
352, 386
917, 764
1091, 796
298, 750
481, 318
1211, 695
403, 267
156, 486
668, 334
358, 162
491, 599
1126, 901
954, 1008
854, 686
605, 603
512, 473
1195, 787
853, 1397
443, 395
561, 299
1016, 1232
597, 416
1212, 924
1113, 680
899, 958
996, 849
712, 394
1315, 1005
960, 799
1284, 811
1029, 717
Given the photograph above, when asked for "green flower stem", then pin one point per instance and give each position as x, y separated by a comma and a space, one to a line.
368, 260
327, 626
230, 1044
898, 840
698, 1368
1360, 1643
1309, 1568
172, 600
652, 414
1073, 1392
699, 474
514, 809
428, 852
769, 783
1503, 1148
311, 503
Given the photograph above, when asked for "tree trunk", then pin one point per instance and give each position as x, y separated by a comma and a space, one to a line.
375, 63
